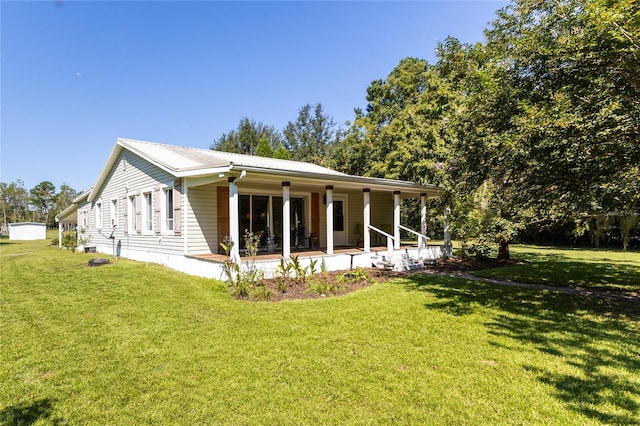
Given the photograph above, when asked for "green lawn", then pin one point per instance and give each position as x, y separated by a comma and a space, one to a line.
134, 344
590, 268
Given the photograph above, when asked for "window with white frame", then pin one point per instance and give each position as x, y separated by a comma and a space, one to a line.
99, 215
168, 209
114, 212
132, 214
147, 212
84, 218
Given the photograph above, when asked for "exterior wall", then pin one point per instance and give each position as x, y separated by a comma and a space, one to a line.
130, 176
27, 231
201, 222
381, 214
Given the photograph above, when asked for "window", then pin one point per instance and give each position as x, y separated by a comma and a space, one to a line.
148, 212
114, 212
132, 214
84, 218
168, 209
98, 215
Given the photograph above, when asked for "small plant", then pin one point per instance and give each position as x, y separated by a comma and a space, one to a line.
55, 241
312, 267
357, 275
262, 292
284, 268
323, 267
70, 241
282, 284
299, 271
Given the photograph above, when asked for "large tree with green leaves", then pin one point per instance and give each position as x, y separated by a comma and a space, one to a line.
572, 67
246, 138
403, 131
311, 137
42, 198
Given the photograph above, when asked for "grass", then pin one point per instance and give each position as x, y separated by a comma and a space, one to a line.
589, 268
128, 343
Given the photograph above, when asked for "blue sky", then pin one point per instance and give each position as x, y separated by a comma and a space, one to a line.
77, 75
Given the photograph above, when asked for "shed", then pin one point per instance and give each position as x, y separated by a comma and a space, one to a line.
27, 231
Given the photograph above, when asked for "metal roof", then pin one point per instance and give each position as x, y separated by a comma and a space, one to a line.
182, 161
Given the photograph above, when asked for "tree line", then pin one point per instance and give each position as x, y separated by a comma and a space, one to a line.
38, 204
533, 131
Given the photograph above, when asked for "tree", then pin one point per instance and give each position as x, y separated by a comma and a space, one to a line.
42, 198
264, 148
403, 133
573, 68
62, 200
282, 153
311, 137
15, 202
246, 138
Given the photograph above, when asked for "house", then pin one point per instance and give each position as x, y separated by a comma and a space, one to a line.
174, 205
27, 231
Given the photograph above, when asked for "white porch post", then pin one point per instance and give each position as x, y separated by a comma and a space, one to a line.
60, 234
329, 194
422, 241
366, 193
234, 223
286, 220
396, 219
423, 220
448, 247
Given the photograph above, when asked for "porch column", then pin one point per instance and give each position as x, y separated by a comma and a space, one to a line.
60, 234
286, 220
234, 223
448, 247
423, 220
396, 220
329, 194
366, 193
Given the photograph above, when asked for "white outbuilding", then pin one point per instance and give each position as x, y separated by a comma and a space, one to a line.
27, 231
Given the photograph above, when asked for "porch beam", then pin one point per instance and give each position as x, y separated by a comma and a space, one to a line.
286, 220
234, 222
329, 193
396, 220
366, 194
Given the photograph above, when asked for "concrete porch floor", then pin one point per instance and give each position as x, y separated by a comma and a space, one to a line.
213, 257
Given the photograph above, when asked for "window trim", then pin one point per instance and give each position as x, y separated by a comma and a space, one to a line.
99, 216
167, 211
132, 214
113, 212
147, 213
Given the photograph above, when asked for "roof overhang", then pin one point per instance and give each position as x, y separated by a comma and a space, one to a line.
407, 189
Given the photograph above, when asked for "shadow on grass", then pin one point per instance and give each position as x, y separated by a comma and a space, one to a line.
28, 413
597, 338
561, 270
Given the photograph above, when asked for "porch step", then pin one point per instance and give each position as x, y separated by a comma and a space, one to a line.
399, 261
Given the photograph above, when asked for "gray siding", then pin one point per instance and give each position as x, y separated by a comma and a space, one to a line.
133, 175
202, 223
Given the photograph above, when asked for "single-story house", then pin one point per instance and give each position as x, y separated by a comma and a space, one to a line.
27, 231
174, 205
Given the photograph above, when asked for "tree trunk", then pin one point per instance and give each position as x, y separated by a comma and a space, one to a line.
503, 250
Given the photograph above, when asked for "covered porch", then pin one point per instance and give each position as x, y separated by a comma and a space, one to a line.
344, 220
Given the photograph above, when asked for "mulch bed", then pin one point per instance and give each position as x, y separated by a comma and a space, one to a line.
335, 284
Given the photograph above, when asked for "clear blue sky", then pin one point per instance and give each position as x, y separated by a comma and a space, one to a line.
77, 75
